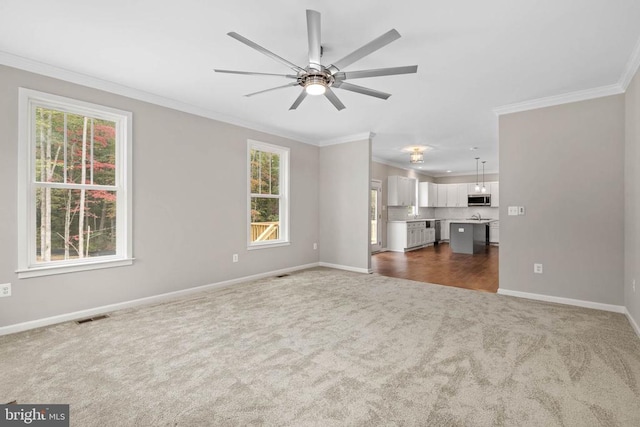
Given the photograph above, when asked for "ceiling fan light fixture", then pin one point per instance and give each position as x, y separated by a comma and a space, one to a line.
315, 85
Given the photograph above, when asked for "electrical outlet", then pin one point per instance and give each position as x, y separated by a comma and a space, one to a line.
315, 246
537, 268
5, 290
235, 257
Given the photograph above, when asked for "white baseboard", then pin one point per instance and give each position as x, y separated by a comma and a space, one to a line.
25, 326
567, 301
633, 322
346, 268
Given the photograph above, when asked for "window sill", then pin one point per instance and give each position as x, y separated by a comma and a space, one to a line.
50, 270
268, 245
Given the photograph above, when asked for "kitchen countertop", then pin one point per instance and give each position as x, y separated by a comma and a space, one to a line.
458, 220
472, 221
415, 220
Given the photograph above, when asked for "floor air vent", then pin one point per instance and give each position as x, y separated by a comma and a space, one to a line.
282, 275
92, 319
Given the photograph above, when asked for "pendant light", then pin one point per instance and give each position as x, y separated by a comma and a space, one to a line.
484, 189
477, 183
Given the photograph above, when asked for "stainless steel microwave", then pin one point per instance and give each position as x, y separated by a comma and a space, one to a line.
479, 200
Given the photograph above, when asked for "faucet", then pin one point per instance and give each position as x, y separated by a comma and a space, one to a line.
476, 216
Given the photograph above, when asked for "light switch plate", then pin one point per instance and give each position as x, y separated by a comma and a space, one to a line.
537, 268
513, 210
520, 210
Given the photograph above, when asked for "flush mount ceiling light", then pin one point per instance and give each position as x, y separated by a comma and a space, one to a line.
417, 156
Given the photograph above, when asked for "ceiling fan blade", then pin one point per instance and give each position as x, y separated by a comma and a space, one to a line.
265, 51
313, 30
362, 90
299, 100
334, 99
251, 73
345, 75
365, 50
273, 88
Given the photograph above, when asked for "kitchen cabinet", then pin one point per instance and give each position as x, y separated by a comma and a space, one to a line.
457, 195
403, 236
463, 195
452, 195
441, 200
494, 231
427, 194
444, 230
495, 194
471, 188
401, 191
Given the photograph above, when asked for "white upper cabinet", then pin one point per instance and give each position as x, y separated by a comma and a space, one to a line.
456, 195
463, 195
452, 195
401, 191
441, 200
427, 195
495, 194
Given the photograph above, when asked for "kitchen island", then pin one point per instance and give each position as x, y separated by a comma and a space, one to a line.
468, 236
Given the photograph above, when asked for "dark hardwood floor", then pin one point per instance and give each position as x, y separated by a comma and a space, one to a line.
437, 264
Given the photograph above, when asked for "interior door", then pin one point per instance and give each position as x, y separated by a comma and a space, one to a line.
376, 215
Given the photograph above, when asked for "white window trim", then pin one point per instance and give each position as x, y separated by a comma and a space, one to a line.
27, 267
284, 194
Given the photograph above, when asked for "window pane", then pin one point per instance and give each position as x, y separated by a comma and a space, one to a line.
102, 171
77, 129
49, 155
66, 228
265, 219
265, 172
91, 147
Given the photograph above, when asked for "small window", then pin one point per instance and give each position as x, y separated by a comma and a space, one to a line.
268, 195
74, 185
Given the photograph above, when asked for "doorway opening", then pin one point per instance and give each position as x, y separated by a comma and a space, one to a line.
375, 215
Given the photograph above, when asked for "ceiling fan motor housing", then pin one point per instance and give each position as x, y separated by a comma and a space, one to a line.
316, 78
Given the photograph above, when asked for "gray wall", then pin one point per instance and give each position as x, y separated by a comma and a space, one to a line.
190, 207
565, 165
632, 198
344, 204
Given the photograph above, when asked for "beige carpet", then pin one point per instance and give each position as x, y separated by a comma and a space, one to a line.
323, 348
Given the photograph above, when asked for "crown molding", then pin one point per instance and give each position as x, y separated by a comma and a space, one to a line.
631, 69
48, 70
345, 139
566, 98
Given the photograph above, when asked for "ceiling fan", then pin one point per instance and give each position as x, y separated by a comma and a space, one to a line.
316, 79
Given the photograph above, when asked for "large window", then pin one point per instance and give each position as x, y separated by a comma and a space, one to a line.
268, 195
74, 187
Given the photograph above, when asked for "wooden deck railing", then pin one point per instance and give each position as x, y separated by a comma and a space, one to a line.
261, 231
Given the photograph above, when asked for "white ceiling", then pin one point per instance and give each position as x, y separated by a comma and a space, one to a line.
473, 57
